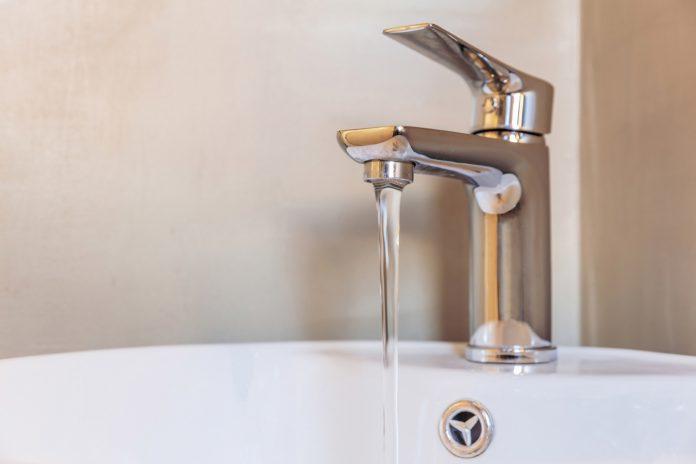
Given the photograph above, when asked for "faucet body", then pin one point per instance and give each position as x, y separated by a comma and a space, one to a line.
505, 167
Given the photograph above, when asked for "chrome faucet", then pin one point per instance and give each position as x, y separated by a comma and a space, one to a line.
504, 163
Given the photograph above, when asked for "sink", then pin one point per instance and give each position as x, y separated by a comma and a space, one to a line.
320, 402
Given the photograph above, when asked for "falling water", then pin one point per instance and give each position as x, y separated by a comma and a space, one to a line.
388, 209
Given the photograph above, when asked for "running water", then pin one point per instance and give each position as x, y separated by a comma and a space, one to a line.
388, 209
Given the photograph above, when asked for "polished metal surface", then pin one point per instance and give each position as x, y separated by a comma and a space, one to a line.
506, 98
507, 176
466, 428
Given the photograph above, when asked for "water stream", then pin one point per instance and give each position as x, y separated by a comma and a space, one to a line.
388, 210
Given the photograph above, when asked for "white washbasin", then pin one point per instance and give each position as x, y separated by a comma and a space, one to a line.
301, 403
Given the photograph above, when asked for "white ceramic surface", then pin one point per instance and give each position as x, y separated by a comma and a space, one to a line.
303, 403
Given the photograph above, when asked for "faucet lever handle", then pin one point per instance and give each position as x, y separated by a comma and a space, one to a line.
506, 98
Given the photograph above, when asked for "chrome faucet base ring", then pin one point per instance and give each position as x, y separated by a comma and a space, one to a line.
510, 354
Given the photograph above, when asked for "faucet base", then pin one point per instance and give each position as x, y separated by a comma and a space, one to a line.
510, 354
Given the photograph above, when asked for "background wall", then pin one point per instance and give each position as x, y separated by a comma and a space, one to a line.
638, 160
169, 171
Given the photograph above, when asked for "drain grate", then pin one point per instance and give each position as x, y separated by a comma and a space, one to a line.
466, 428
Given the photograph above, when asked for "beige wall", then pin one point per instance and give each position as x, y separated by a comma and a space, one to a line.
169, 173
638, 159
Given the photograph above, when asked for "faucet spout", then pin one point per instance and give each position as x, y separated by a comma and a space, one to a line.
495, 191
395, 143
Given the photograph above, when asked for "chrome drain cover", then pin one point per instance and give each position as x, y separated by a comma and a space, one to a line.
466, 428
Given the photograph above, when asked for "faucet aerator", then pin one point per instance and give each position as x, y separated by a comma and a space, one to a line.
383, 173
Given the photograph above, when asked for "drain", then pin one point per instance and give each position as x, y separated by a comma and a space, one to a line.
466, 429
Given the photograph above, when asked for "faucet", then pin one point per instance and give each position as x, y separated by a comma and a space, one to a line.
504, 165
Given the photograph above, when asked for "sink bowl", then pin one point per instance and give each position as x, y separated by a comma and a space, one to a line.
295, 403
